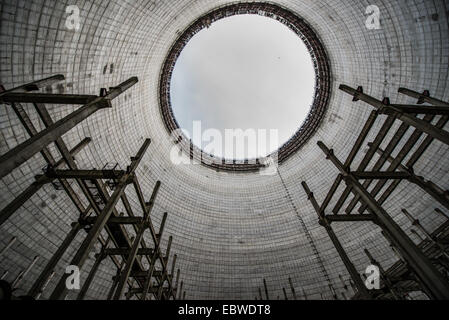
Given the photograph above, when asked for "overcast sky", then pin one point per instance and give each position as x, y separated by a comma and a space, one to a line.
247, 72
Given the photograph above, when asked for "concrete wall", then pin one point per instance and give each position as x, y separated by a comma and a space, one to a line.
230, 230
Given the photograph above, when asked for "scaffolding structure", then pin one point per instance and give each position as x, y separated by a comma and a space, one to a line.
284, 291
143, 270
420, 267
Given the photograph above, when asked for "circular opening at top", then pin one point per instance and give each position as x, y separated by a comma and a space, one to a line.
245, 72
234, 69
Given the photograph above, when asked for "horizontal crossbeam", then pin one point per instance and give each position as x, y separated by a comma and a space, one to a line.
349, 217
424, 97
152, 290
114, 220
50, 98
144, 274
381, 175
417, 109
36, 85
85, 174
411, 120
126, 251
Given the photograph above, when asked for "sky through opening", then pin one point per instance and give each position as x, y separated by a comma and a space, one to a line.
244, 72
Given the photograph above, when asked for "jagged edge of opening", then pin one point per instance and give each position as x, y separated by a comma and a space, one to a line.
317, 110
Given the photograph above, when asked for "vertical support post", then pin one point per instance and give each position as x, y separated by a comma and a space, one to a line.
345, 286
173, 266
180, 290
135, 247
69, 159
428, 186
305, 294
383, 275
130, 293
66, 157
422, 266
178, 274
115, 281
8, 211
165, 271
151, 228
361, 288
51, 265
285, 294
421, 238
83, 252
147, 283
416, 223
98, 260
334, 293
432, 189
45, 285
23, 274
171, 275
9, 245
12, 207
266, 289
396, 252
292, 288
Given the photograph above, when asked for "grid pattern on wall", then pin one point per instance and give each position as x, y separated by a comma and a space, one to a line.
232, 230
